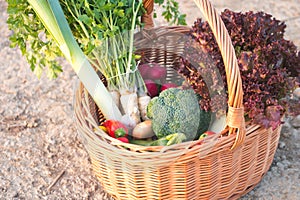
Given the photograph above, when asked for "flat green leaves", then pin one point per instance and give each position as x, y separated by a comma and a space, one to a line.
40, 52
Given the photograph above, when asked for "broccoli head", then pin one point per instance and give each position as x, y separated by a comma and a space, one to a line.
177, 111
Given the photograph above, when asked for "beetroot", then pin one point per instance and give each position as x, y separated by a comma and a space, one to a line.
151, 87
144, 70
157, 72
167, 86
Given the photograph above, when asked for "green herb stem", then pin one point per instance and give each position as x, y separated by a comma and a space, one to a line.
132, 38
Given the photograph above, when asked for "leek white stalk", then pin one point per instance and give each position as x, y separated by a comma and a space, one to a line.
52, 16
116, 97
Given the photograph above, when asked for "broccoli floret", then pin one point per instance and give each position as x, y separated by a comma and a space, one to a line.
149, 107
176, 111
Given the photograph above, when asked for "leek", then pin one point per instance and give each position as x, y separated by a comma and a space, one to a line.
52, 17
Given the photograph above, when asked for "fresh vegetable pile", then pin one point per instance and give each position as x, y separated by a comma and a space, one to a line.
174, 116
269, 64
172, 113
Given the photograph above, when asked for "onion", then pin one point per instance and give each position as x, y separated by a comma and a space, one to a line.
143, 130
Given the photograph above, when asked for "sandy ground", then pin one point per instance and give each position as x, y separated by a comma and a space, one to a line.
39, 141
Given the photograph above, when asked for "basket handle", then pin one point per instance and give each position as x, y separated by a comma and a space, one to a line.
235, 114
147, 18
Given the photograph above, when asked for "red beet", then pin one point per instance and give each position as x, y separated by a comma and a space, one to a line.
144, 70
151, 87
168, 85
157, 72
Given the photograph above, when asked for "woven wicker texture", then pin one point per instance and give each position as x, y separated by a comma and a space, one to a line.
147, 17
226, 167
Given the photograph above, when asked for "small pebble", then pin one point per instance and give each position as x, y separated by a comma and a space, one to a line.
44, 193
295, 133
283, 157
286, 124
286, 134
297, 146
280, 165
281, 145
286, 163
296, 122
274, 169
15, 194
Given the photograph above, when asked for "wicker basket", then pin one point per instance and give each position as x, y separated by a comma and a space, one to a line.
226, 169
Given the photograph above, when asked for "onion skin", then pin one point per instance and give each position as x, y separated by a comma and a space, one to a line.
143, 130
